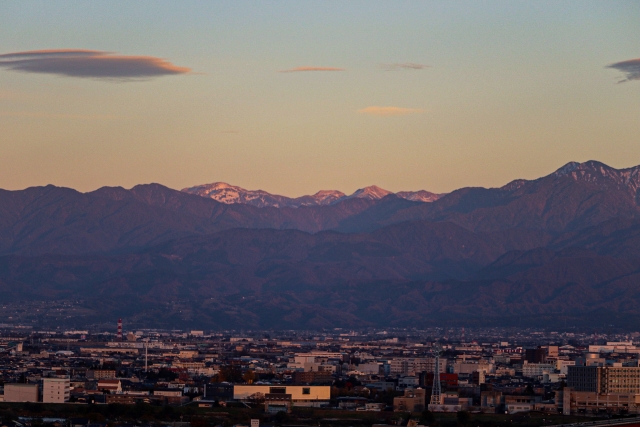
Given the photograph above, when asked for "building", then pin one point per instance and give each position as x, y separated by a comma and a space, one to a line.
448, 381
414, 366
413, 400
470, 367
312, 395
168, 392
21, 393
515, 404
604, 379
110, 386
352, 402
535, 355
615, 347
382, 385
101, 374
312, 377
493, 400
450, 402
56, 390
534, 370
215, 391
274, 403
590, 403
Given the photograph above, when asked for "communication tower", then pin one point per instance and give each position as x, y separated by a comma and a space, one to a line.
436, 391
119, 337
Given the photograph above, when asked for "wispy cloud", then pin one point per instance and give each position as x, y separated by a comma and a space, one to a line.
630, 68
403, 66
389, 111
297, 69
90, 64
43, 115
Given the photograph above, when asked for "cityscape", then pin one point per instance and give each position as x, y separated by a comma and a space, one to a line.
491, 376
319, 213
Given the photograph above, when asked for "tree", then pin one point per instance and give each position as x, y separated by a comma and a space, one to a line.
463, 417
249, 376
427, 417
281, 417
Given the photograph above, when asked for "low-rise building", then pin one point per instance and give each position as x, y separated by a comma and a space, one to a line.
413, 400
110, 386
21, 392
589, 403
301, 395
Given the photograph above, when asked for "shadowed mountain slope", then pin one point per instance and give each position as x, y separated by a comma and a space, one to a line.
565, 247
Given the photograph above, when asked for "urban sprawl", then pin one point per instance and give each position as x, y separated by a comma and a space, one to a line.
409, 375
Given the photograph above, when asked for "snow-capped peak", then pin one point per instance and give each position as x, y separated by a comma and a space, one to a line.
603, 175
229, 194
418, 196
328, 196
567, 169
372, 192
225, 193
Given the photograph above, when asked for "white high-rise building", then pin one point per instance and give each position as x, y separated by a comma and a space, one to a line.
56, 390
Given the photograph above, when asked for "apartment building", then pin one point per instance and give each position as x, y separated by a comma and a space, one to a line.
56, 390
414, 366
101, 374
534, 370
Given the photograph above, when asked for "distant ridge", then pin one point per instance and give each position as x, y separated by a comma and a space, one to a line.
231, 194
563, 247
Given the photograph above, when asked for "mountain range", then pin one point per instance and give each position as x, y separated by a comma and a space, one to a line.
229, 194
562, 250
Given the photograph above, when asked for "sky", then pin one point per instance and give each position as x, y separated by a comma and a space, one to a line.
293, 97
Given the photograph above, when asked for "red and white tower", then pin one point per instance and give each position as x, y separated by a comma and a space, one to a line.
119, 330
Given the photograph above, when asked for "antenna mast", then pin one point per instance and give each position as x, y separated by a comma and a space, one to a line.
436, 391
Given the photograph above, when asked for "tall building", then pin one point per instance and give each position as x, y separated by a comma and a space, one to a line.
56, 390
604, 379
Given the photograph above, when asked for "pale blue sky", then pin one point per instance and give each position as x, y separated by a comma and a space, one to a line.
513, 90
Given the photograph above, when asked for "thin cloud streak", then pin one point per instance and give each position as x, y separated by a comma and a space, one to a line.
630, 68
42, 115
90, 64
404, 66
298, 69
389, 111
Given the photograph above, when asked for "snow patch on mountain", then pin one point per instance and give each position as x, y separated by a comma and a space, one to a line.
372, 192
229, 194
602, 174
419, 196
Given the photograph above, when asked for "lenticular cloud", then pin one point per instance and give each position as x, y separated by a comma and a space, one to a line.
89, 64
630, 68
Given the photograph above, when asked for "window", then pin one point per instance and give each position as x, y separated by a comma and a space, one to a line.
277, 390
306, 390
